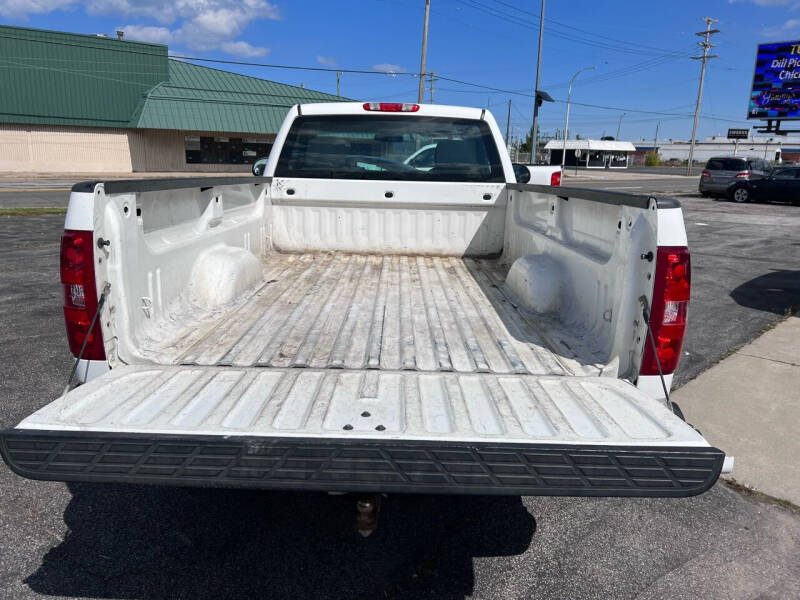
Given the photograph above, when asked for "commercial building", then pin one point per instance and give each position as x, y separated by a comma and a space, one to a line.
771, 148
84, 103
592, 154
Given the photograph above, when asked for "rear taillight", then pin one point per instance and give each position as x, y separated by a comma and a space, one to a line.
80, 294
391, 106
555, 178
742, 175
669, 309
706, 174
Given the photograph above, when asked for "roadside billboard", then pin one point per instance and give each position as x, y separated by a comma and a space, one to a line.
776, 82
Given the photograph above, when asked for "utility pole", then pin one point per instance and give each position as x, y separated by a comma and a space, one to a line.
655, 139
706, 45
421, 95
431, 79
619, 125
338, 84
535, 126
508, 121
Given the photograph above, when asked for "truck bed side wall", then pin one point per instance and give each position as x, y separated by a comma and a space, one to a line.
593, 256
159, 240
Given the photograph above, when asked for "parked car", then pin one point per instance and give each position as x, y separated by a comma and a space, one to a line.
475, 335
423, 159
721, 171
782, 185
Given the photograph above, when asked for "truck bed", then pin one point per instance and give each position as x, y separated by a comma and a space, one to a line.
346, 311
234, 364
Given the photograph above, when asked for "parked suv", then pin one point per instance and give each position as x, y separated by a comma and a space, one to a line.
721, 171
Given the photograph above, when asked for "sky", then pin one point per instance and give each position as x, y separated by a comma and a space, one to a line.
640, 50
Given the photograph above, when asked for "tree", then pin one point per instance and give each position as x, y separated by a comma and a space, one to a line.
651, 159
526, 145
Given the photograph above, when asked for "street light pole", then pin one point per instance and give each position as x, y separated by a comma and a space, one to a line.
535, 125
508, 121
566, 120
421, 94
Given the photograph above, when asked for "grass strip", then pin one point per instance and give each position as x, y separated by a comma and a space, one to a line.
749, 492
32, 211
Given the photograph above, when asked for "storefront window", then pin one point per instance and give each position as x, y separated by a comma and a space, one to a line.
618, 159
596, 159
225, 150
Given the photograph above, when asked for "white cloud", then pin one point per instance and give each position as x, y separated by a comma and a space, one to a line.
20, 9
786, 27
147, 33
201, 25
215, 14
791, 4
389, 68
244, 49
327, 61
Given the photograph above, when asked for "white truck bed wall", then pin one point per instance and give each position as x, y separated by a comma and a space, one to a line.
586, 252
387, 217
161, 235
196, 247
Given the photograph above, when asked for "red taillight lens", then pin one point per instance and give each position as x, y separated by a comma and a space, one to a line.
80, 294
669, 309
706, 174
742, 175
555, 178
391, 106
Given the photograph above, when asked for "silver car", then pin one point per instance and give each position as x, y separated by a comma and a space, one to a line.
721, 171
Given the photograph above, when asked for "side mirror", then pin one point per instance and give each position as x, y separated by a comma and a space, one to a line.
258, 167
521, 172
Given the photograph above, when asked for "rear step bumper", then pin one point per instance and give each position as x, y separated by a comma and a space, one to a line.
362, 465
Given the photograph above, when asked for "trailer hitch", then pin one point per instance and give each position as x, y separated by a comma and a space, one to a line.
367, 507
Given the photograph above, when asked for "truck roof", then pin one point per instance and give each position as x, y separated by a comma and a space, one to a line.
428, 110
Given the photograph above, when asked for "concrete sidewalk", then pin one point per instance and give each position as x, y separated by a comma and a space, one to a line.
749, 406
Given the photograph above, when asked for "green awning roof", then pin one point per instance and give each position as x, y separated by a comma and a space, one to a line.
204, 99
59, 78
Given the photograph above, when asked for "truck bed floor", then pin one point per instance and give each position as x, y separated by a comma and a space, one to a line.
346, 311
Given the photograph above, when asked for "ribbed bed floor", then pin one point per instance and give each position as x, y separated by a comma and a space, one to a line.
333, 310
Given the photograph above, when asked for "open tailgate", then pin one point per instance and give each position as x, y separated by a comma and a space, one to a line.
366, 430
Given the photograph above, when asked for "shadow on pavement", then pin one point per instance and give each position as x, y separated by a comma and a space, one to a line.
127, 541
776, 292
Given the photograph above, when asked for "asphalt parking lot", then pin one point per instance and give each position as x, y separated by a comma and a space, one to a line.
122, 541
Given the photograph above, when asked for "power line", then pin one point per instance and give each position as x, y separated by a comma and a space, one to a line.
637, 46
294, 67
114, 45
214, 60
515, 20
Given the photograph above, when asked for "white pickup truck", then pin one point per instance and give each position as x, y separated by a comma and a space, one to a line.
352, 323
